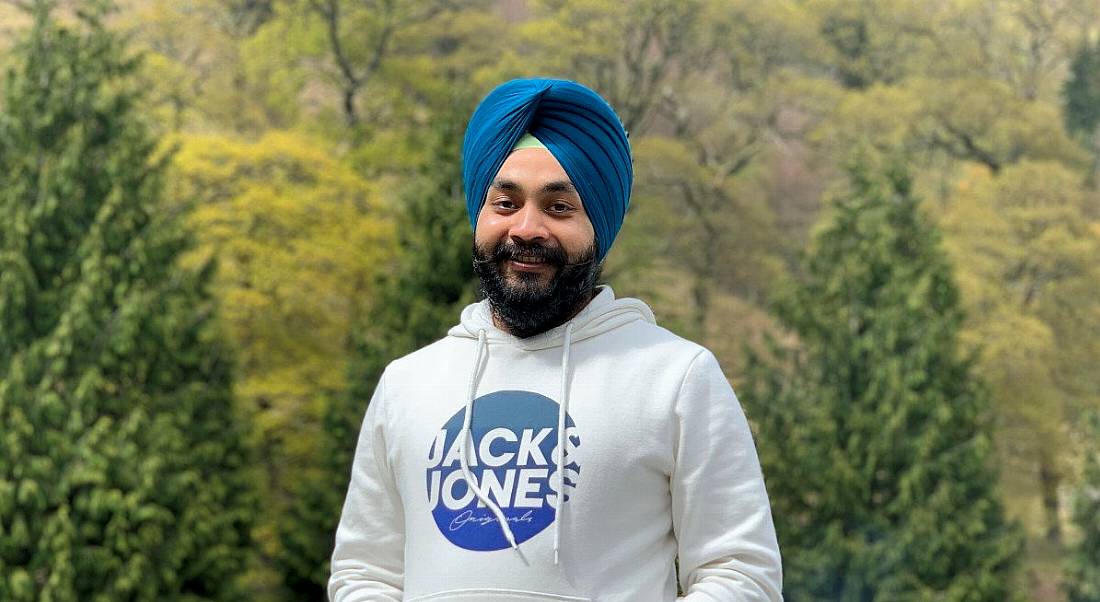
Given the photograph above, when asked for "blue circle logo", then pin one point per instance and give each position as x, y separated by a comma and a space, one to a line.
512, 456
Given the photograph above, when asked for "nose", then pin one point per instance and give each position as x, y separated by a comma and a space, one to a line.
529, 224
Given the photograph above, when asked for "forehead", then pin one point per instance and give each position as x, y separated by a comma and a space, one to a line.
532, 167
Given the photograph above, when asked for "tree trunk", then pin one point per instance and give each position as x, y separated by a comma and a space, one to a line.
1049, 480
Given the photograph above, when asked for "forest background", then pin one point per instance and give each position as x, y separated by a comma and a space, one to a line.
312, 147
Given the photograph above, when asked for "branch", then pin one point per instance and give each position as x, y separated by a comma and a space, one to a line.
330, 10
972, 150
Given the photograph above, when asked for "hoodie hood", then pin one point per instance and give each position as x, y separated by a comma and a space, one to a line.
602, 314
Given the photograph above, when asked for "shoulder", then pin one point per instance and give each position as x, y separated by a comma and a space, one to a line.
648, 350
431, 358
659, 341
694, 365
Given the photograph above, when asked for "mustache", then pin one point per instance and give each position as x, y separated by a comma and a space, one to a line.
530, 252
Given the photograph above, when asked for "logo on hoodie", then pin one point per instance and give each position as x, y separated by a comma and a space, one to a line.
513, 458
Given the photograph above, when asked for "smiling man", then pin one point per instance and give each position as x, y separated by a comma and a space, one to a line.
557, 444
534, 247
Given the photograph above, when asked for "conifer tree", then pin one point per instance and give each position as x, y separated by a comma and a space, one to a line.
122, 472
1081, 91
418, 300
872, 433
1083, 570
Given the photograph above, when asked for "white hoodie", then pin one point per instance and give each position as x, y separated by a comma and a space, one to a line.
659, 463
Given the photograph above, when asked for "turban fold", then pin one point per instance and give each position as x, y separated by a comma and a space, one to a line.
577, 126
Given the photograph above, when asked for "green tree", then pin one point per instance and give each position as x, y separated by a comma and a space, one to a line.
1081, 100
123, 472
430, 281
1081, 91
1083, 572
872, 432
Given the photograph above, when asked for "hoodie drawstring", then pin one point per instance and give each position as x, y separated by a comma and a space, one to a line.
563, 407
480, 359
467, 435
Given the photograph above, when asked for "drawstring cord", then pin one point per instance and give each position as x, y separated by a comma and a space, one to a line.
480, 359
467, 435
563, 407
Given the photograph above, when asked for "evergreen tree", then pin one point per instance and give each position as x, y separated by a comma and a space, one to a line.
873, 434
418, 301
1083, 570
122, 472
1081, 91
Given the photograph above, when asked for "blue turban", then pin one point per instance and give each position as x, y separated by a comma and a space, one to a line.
577, 126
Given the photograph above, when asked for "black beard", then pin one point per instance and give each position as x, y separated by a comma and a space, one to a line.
530, 307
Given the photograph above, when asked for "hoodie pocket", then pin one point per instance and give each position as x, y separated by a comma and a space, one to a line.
496, 595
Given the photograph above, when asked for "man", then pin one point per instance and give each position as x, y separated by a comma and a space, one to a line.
460, 489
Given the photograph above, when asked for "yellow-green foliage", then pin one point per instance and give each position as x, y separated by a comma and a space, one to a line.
194, 64
299, 239
1028, 266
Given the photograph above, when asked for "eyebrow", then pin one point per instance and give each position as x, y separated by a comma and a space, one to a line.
555, 186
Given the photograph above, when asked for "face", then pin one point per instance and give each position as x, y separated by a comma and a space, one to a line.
534, 246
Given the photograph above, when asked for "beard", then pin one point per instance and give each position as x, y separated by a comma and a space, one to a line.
525, 303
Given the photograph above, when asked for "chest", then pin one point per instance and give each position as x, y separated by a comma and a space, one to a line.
617, 441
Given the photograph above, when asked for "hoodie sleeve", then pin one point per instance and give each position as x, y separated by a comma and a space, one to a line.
368, 562
720, 510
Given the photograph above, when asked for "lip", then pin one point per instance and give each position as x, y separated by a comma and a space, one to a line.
528, 267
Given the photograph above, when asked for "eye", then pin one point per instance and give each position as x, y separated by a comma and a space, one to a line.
560, 207
504, 203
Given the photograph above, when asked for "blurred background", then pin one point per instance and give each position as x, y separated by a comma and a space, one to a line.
220, 219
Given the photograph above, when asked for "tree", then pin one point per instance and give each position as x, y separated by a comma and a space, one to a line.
982, 120
1081, 91
430, 281
123, 472
1025, 43
717, 134
1028, 267
625, 50
708, 207
1081, 100
875, 42
873, 432
360, 39
193, 66
1082, 571
300, 239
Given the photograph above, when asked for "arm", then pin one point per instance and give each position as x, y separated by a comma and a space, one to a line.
720, 510
368, 562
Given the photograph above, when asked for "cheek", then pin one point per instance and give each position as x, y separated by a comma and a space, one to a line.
582, 235
489, 229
